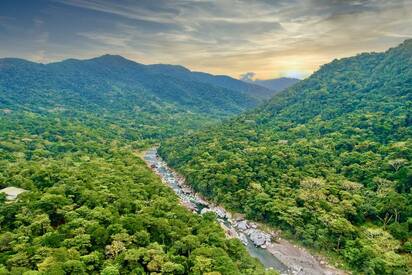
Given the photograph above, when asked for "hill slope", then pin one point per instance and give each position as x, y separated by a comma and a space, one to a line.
114, 88
251, 89
70, 133
329, 161
98, 78
93, 207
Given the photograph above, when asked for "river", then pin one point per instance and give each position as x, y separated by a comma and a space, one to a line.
280, 255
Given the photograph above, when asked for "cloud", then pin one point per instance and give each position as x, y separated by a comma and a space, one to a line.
146, 10
270, 38
248, 77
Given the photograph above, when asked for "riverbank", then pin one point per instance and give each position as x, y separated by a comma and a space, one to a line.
268, 247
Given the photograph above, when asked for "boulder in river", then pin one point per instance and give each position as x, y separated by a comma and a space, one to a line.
186, 190
189, 205
228, 215
242, 225
258, 237
243, 238
220, 212
201, 201
205, 210
232, 233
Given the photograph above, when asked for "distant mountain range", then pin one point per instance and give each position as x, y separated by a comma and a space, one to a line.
251, 89
71, 134
112, 80
115, 87
276, 84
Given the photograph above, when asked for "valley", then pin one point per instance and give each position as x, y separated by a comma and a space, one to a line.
271, 250
320, 161
260, 177
91, 206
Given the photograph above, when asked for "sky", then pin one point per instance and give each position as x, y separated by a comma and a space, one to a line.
262, 39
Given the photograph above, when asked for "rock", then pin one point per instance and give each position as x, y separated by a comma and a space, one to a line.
243, 239
296, 269
219, 212
239, 217
253, 225
242, 225
186, 190
228, 215
205, 210
258, 237
189, 205
12, 192
274, 234
201, 201
232, 233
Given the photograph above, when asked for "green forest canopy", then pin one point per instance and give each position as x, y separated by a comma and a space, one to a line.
329, 161
93, 207
68, 134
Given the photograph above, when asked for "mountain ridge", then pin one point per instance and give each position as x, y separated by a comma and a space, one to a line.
111, 83
178, 71
328, 161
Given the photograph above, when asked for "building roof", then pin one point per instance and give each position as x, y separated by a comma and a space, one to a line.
12, 192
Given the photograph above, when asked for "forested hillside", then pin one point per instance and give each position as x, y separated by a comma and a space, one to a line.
157, 100
93, 207
69, 135
329, 161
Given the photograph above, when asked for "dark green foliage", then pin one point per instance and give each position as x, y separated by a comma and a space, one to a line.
114, 87
69, 133
147, 101
329, 161
93, 207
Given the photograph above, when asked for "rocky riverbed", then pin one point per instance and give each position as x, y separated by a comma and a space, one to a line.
268, 247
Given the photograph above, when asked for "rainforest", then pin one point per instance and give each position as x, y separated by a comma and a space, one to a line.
205, 137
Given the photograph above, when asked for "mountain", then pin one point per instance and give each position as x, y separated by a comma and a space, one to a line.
114, 88
95, 81
251, 89
71, 134
277, 84
328, 161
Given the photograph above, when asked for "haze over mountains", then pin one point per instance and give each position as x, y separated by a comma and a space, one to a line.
276, 84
